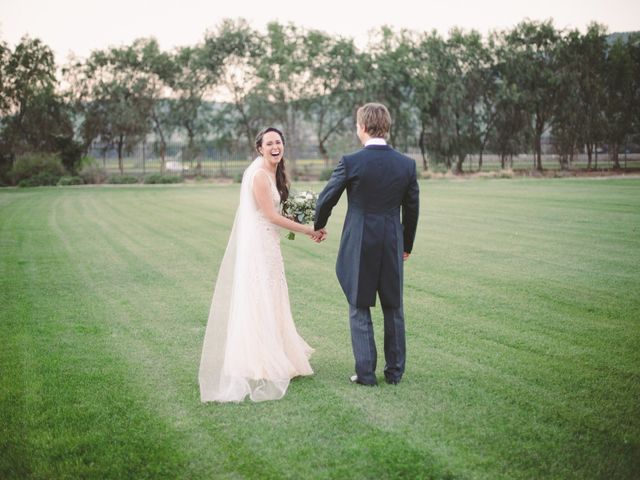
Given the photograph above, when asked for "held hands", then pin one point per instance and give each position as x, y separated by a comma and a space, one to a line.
317, 235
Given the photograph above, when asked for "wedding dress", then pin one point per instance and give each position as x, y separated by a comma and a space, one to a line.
251, 346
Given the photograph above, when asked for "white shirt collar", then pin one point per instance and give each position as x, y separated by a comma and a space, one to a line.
375, 141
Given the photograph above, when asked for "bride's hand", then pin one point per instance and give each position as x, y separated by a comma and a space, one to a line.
317, 235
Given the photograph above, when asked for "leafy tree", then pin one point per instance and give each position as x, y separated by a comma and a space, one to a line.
621, 84
511, 132
282, 70
248, 111
533, 65
423, 79
115, 95
335, 86
591, 87
5, 100
161, 70
483, 88
163, 127
440, 93
471, 79
388, 70
189, 109
200, 69
578, 117
567, 121
33, 117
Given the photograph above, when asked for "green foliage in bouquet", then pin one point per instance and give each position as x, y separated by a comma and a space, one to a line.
301, 208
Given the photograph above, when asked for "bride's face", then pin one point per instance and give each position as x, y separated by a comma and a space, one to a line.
272, 148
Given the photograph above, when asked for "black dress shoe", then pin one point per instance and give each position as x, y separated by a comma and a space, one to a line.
354, 379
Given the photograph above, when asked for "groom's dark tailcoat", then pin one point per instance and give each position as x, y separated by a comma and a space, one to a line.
380, 224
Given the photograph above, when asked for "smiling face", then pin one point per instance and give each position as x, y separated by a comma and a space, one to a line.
272, 148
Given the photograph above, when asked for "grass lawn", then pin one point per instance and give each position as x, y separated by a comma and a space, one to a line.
523, 336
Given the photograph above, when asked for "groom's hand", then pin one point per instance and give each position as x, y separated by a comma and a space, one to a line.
405, 256
322, 235
319, 235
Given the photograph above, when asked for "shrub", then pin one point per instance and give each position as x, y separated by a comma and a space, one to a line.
75, 180
38, 168
237, 178
40, 179
157, 178
326, 174
70, 153
122, 179
91, 171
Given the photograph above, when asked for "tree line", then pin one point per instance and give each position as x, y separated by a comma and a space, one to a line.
450, 97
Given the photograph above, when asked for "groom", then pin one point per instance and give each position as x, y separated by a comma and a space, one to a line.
377, 238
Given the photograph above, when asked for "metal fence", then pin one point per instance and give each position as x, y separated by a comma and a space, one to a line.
196, 160
209, 161
491, 162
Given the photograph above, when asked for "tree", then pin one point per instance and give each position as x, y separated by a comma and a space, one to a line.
163, 126
567, 121
532, 55
425, 48
5, 100
160, 69
388, 68
621, 86
283, 72
189, 110
472, 79
33, 116
591, 64
483, 80
115, 95
511, 132
334, 88
247, 110
577, 120
439, 92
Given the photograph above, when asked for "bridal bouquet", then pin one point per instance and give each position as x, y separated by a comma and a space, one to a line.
300, 207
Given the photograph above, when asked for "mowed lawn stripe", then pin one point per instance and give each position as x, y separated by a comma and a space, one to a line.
78, 415
139, 336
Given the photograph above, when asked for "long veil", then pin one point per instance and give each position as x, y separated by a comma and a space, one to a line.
244, 349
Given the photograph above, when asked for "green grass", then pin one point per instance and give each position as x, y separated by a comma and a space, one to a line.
523, 332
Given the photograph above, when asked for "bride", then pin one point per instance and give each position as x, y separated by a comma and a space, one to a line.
251, 346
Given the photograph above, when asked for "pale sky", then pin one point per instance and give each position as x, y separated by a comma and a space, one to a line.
80, 26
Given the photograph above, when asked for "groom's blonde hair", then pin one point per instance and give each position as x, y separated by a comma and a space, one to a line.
375, 119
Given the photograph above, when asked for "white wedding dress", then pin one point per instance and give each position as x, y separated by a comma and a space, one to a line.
251, 346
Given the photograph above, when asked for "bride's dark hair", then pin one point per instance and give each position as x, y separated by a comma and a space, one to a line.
282, 182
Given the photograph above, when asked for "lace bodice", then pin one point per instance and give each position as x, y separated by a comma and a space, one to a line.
272, 229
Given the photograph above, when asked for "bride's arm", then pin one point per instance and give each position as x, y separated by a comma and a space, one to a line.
262, 194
